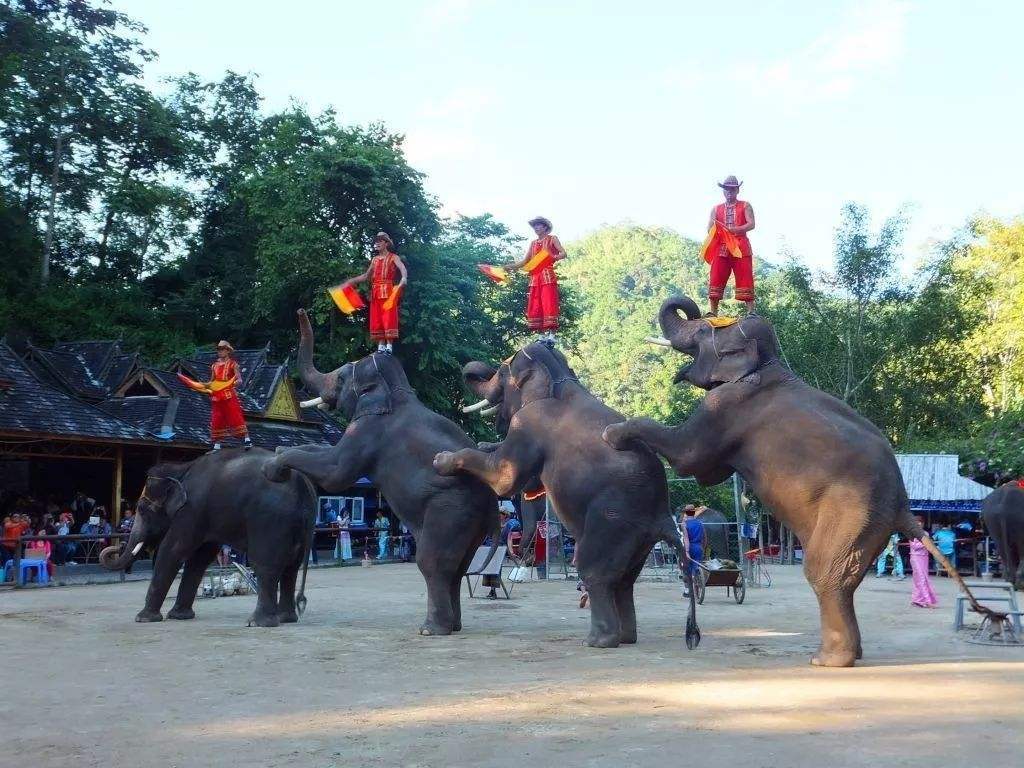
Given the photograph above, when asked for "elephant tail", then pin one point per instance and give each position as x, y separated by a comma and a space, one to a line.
495, 538
673, 537
310, 531
913, 530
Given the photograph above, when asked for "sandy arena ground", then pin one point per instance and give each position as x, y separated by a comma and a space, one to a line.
354, 685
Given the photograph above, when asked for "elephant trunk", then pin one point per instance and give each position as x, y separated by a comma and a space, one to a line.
114, 559
672, 325
316, 382
481, 378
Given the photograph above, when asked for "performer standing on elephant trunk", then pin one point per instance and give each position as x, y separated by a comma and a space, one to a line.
542, 303
727, 248
385, 296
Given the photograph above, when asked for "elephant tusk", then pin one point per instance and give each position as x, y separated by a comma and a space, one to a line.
311, 403
476, 406
661, 341
323, 406
489, 411
138, 546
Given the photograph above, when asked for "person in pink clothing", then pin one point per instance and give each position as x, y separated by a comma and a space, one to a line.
923, 595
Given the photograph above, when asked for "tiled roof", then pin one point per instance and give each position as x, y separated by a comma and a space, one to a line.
118, 370
72, 371
32, 406
936, 477
260, 385
95, 355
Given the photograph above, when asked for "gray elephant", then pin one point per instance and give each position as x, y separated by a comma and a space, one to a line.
1003, 513
190, 509
824, 470
392, 438
615, 504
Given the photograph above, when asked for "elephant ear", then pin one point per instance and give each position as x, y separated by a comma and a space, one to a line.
736, 362
168, 492
531, 376
373, 396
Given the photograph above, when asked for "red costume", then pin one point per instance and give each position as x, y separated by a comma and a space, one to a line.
383, 321
733, 214
226, 419
542, 307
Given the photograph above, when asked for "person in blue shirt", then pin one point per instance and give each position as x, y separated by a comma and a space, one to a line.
695, 537
945, 540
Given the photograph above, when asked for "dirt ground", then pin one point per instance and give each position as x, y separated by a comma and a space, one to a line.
354, 685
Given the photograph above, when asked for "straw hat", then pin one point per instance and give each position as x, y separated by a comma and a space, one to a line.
540, 220
730, 183
385, 237
222, 344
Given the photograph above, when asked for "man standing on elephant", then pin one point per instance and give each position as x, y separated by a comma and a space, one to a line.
735, 217
226, 417
385, 295
542, 302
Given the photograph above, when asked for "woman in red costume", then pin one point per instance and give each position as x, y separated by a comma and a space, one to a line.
226, 419
542, 302
385, 296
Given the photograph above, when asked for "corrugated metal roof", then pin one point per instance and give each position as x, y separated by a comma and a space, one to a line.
936, 477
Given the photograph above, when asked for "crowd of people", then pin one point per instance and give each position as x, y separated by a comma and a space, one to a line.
25, 515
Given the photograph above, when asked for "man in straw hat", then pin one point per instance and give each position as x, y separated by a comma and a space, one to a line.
542, 302
385, 296
226, 418
737, 217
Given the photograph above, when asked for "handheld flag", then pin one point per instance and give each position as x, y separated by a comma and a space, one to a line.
389, 302
542, 259
719, 235
347, 298
206, 389
496, 275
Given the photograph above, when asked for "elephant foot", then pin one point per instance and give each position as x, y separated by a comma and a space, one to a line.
263, 620
181, 614
457, 626
429, 629
147, 616
616, 435
860, 653
628, 638
834, 659
288, 617
602, 641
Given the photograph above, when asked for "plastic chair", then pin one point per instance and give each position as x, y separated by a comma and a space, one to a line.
42, 572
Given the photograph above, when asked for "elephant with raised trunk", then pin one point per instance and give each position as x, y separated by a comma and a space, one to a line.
1003, 513
614, 504
824, 470
191, 509
392, 439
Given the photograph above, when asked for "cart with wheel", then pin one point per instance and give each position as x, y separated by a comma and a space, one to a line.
730, 578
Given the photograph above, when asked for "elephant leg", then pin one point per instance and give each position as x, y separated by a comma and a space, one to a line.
168, 562
266, 614
440, 619
191, 577
623, 594
605, 627
286, 611
455, 591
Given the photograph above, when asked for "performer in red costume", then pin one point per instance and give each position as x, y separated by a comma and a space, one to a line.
226, 418
385, 296
542, 303
735, 216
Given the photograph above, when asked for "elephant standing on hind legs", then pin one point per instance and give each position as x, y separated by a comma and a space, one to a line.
614, 504
191, 509
392, 438
824, 470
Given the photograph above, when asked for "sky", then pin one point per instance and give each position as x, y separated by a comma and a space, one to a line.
604, 112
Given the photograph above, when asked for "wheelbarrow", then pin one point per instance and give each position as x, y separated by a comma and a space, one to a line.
730, 578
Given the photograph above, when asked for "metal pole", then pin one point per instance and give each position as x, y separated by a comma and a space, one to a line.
547, 537
739, 525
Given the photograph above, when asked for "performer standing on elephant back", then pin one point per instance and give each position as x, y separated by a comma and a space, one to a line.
730, 252
226, 417
542, 303
385, 296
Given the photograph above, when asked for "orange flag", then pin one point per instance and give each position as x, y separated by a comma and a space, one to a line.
347, 298
198, 386
542, 259
496, 275
389, 302
719, 235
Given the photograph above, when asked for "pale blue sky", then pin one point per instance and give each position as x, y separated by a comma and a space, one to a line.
602, 112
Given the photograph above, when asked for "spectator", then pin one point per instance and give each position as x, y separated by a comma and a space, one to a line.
127, 521
923, 596
382, 526
344, 549
891, 548
14, 527
945, 540
40, 550
82, 507
65, 550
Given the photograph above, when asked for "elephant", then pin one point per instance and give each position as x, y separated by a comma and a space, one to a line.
824, 470
614, 504
1003, 513
392, 438
191, 509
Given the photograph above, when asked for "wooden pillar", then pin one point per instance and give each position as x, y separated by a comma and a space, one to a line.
115, 515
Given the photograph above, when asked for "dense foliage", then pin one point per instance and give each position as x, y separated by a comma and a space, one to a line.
175, 219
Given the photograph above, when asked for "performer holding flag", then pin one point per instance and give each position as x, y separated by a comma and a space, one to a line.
385, 296
542, 303
226, 417
727, 248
